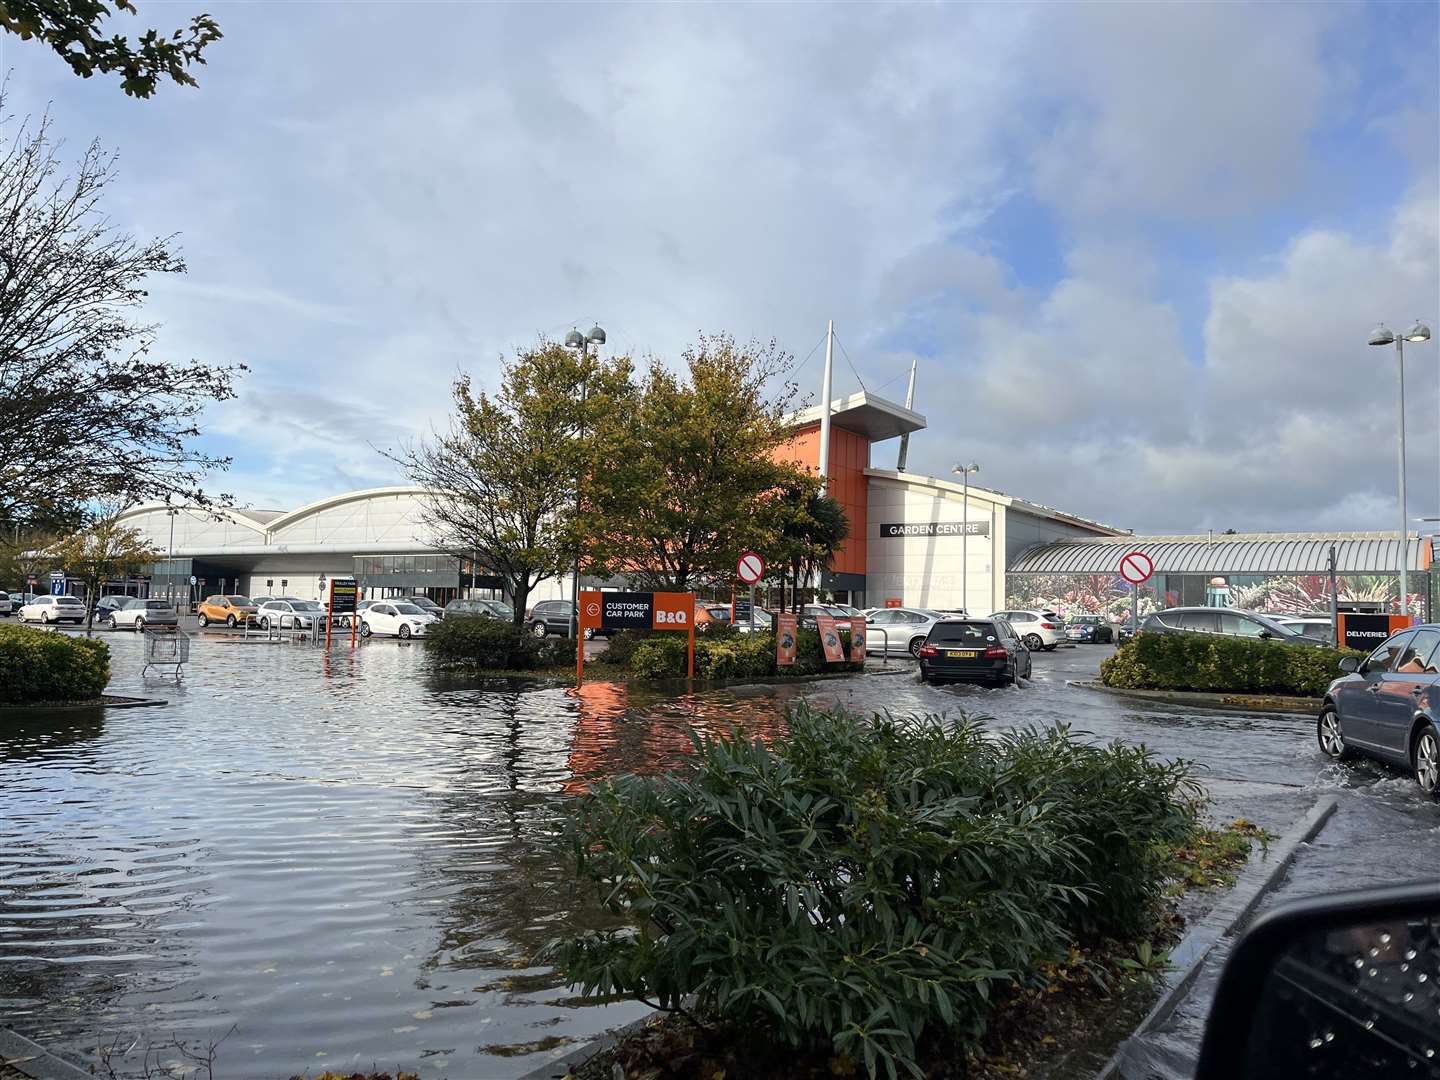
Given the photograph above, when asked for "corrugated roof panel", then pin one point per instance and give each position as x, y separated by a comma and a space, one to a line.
1257, 553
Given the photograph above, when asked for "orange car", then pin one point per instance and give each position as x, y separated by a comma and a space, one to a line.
230, 610
710, 614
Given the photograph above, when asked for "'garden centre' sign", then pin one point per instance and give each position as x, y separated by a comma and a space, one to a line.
936, 528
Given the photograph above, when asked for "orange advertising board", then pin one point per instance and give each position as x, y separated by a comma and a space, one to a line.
673, 610
830, 639
638, 611
894, 601
785, 628
857, 640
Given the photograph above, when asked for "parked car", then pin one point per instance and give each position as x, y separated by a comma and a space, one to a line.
905, 630
230, 610
708, 615
764, 620
107, 604
291, 614
551, 617
1090, 629
1038, 629
839, 614
5, 605
986, 651
1124, 632
1226, 621
53, 609
257, 601
425, 604
360, 608
1387, 706
1314, 626
138, 614
396, 618
489, 609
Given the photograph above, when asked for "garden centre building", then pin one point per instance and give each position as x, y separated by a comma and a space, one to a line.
915, 540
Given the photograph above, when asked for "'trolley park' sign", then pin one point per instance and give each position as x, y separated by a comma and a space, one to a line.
936, 528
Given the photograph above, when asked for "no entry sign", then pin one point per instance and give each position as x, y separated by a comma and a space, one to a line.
1136, 567
751, 568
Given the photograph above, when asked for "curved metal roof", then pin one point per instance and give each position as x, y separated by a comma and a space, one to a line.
1246, 553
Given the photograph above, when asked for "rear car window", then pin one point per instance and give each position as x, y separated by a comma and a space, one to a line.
963, 634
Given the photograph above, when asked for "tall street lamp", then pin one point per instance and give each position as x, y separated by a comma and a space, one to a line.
964, 471
575, 340
1381, 335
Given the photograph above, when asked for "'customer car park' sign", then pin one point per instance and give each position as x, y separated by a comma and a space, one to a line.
635, 611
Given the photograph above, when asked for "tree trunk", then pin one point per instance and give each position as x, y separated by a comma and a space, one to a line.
519, 594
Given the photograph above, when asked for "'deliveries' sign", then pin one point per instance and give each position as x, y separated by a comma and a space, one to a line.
936, 528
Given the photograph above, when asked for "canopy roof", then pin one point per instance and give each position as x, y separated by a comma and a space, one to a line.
1243, 553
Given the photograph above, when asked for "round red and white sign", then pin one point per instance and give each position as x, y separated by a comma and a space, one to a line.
751, 568
1136, 567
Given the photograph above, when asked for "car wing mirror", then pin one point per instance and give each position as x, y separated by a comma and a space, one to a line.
1266, 634
1343, 986
1350, 663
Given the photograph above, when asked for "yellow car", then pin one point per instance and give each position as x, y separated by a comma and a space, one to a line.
230, 610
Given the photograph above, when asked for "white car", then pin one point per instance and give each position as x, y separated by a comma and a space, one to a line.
137, 614
1037, 629
6, 608
396, 618
290, 614
54, 609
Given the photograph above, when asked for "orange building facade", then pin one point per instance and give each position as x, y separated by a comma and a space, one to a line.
846, 484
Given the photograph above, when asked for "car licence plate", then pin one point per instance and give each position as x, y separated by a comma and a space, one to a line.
961, 654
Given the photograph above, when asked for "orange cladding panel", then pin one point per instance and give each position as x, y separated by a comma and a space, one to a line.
849, 458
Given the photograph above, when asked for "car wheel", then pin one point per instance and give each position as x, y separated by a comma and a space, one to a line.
1033, 642
110, 622
1427, 761
538, 629
404, 631
590, 633
44, 618
204, 622
264, 623
365, 630
139, 624
915, 644
230, 621
1330, 736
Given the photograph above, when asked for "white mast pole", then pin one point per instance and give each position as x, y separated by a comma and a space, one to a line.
825, 406
909, 402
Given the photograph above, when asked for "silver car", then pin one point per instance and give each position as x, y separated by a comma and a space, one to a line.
291, 614
138, 614
905, 629
5, 605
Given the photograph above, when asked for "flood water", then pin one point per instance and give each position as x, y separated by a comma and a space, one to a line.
340, 861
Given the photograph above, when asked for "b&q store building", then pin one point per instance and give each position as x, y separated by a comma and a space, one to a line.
917, 540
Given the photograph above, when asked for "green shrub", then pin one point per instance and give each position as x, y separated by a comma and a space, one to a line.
557, 652
734, 656
865, 885
478, 642
726, 654
1217, 662
661, 656
622, 645
39, 666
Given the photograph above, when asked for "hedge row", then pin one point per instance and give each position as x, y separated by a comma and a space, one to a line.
39, 666
719, 654
489, 644
1218, 663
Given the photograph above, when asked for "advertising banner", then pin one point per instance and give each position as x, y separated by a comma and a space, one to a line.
857, 641
830, 639
674, 610
785, 627
1367, 632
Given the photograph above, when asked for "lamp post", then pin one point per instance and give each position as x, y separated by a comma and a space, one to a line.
1381, 335
964, 471
170, 558
576, 340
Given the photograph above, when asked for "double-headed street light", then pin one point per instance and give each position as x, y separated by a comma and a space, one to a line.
964, 471
575, 340
1382, 335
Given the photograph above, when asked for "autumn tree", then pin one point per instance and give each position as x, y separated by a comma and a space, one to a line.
87, 409
685, 471
808, 528
103, 549
501, 483
73, 29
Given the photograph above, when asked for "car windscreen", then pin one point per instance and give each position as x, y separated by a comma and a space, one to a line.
1276, 628
306, 605
719, 614
239, 601
504, 610
407, 609
1084, 620
156, 605
68, 601
969, 634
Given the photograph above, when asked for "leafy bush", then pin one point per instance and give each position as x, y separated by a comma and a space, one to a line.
557, 652
1220, 663
725, 654
622, 646
660, 656
38, 666
734, 655
483, 643
867, 885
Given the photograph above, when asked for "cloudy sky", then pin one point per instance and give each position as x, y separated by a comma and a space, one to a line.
1136, 248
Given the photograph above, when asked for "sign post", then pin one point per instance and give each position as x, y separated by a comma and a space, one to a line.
1136, 568
57, 582
750, 569
634, 611
344, 598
